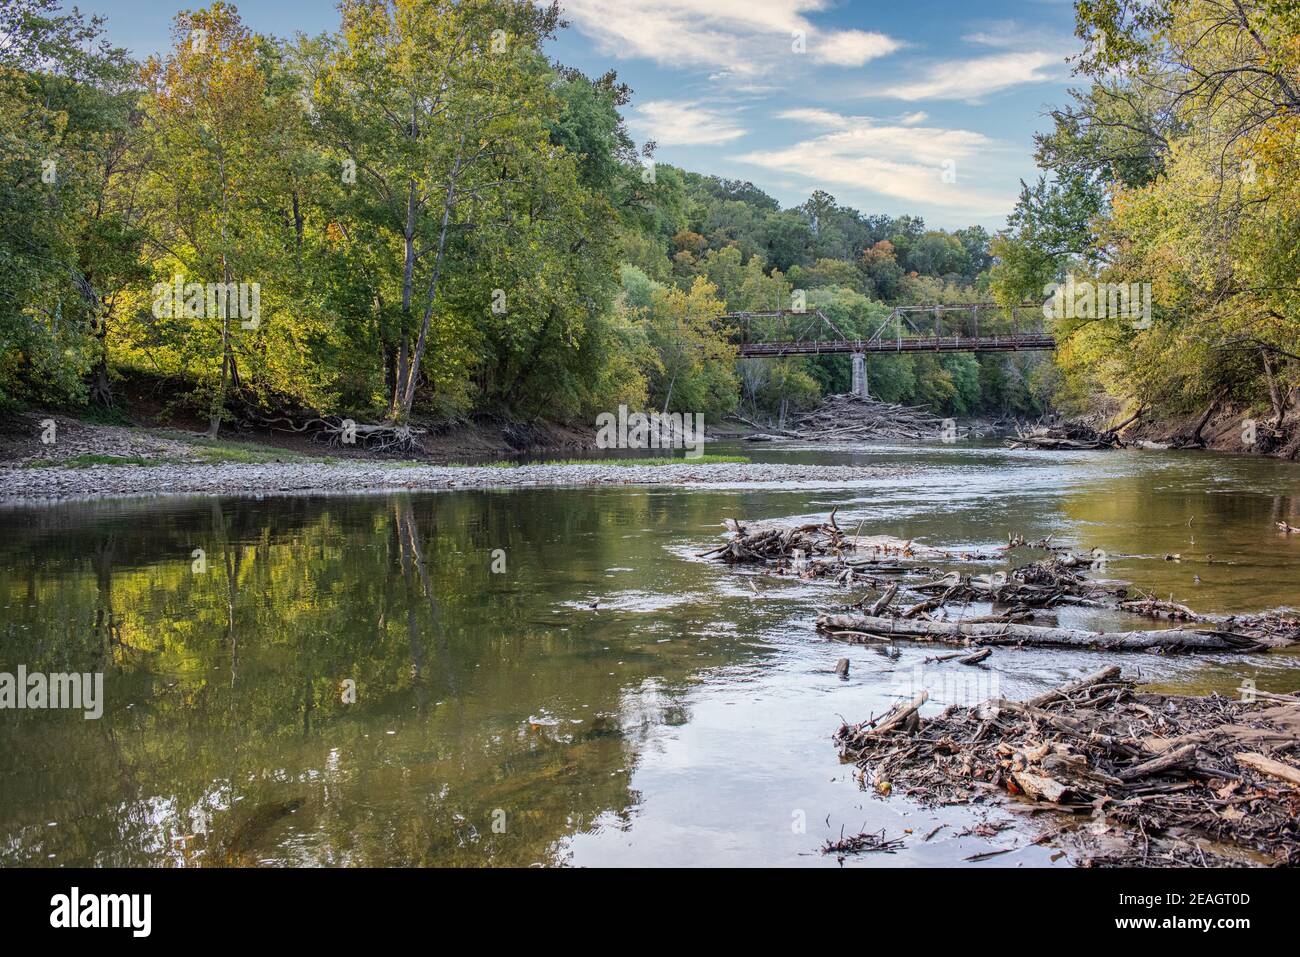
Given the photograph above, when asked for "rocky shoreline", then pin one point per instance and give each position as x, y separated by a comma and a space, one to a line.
98, 481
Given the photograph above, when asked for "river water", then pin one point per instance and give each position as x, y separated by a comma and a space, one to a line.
551, 676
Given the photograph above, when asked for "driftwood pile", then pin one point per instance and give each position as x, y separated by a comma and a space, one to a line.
919, 610
1068, 436
851, 416
815, 548
863, 842
1155, 779
1071, 435
818, 549
1039, 585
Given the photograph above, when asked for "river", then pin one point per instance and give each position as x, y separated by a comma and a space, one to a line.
551, 676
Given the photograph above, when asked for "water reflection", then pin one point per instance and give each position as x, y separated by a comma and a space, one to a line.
482, 699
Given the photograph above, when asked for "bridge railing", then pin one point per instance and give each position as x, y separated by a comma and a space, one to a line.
989, 323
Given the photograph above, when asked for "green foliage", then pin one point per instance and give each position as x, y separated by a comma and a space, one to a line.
1188, 184
62, 111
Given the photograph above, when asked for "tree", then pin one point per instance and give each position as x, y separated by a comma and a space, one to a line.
1192, 126
208, 103
695, 367
67, 232
437, 104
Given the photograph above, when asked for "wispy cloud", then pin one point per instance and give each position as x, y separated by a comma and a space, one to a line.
684, 123
815, 117
972, 79
901, 162
1018, 35
852, 47
740, 37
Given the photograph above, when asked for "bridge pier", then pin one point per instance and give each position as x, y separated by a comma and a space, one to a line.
860, 375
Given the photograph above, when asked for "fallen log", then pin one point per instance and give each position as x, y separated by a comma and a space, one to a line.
1270, 767
1155, 608
1073, 436
1072, 688
1178, 757
1173, 639
338, 431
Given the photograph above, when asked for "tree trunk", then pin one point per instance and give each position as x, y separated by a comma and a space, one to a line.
102, 389
1011, 634
422, 341
1274, 392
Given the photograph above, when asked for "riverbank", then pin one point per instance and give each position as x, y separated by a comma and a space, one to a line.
304, 477
1236, 429
36, 438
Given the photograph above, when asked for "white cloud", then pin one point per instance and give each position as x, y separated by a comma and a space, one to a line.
901, 162
851, 47
684, 123
971, 79
912, 119
815, 117
741, 37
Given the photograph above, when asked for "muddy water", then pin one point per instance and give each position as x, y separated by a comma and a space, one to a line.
551, 676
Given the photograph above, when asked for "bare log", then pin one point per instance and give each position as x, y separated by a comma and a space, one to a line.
1178, 757
881, 603
897, 715
1072, 688
1270, 767
1173, 639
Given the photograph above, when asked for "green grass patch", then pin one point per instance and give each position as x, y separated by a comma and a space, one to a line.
88, 458
211, 451
103, 415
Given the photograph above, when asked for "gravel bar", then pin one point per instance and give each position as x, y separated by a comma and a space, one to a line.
27, 484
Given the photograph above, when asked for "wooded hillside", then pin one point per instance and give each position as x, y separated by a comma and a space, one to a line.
419, 215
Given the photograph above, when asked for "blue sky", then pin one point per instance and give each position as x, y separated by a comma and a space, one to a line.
926, 107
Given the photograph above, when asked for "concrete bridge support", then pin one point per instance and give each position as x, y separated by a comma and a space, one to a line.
860, 375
